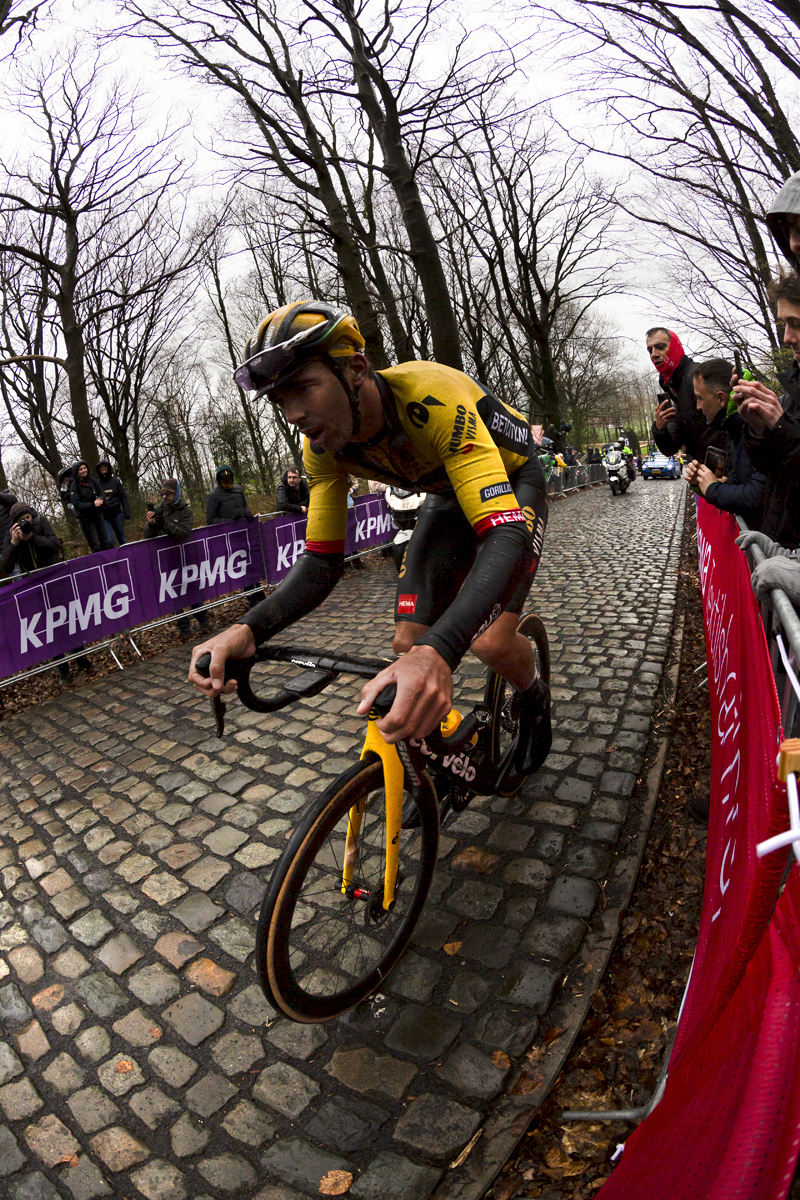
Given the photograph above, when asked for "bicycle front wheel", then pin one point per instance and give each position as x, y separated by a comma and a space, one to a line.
320, 952
502, 700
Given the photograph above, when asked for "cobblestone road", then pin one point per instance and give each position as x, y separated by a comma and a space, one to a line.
140, 1057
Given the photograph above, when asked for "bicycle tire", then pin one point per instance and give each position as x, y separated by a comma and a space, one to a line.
500, 698
320, 953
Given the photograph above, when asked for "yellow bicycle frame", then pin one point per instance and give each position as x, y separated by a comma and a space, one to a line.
393, 777
393, 783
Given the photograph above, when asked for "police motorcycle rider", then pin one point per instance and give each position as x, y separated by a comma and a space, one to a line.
622, 444
471, 559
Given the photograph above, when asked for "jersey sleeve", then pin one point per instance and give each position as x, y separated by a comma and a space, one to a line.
472, 459
327, 506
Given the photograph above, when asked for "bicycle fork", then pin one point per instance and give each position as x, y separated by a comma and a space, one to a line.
393, 778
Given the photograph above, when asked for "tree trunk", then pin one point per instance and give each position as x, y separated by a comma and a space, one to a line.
384, 119
73, 343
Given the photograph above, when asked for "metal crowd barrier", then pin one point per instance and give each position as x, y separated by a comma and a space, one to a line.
781, 625
574, 478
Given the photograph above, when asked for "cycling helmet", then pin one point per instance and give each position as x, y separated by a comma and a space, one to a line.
290, 337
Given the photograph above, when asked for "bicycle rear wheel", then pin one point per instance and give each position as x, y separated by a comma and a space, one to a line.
503, 703
320, 952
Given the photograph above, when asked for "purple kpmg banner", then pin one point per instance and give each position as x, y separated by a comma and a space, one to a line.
368, 524
61, 608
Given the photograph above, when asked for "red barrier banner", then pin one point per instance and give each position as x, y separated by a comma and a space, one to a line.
747, 806
727, 1125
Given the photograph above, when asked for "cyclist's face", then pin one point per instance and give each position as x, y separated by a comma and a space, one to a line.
314, 400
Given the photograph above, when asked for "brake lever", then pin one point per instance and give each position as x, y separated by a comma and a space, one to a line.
235, 668
219, 708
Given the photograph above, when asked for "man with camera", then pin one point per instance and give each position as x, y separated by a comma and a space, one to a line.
678, 422
30, 542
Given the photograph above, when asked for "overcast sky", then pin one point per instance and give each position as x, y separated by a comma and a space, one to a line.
629, 313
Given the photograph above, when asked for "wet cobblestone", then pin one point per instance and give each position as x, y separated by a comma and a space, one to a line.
140, 1057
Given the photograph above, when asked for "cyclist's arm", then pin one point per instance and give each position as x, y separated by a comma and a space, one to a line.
310, 580
319, 568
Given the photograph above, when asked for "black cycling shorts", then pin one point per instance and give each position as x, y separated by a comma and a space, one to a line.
442, 549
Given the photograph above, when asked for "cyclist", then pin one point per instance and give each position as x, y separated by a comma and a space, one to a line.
470, 563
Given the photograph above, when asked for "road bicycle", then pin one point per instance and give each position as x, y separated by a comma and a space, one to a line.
346, 893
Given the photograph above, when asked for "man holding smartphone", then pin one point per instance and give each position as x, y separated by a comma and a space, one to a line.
726, 478
678, 422
772, 433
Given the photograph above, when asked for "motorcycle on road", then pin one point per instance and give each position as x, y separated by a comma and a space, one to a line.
619, 479
404, 507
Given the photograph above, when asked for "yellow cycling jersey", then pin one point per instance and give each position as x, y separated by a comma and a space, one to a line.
444, 433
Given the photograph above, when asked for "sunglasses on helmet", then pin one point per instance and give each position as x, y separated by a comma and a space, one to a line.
264, 369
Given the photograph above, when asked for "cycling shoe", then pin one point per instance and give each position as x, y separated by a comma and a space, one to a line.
535, 735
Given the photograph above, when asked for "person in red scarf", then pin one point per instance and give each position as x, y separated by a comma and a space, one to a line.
678, 422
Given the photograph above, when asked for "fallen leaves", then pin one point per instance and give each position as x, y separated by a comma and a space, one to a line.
451, 948
528, 1082
335, 1183
501, 1060
123, 1067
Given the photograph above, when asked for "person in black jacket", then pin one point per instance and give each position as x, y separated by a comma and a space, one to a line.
293, 495
7, 502
737, 487
678, 422
783, 220
30, 542
87, 500
172, 515
772, 436
227, 502
116, 510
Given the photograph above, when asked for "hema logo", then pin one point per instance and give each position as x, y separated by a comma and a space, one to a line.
72, 603
202, 564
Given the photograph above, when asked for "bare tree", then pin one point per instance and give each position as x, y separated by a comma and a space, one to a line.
242, 47
540, 230
383, 65
34, 401
135, 321
693, 94
18, 19
89, 196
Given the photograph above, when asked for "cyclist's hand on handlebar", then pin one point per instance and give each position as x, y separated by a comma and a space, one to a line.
236, 642
424, 694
